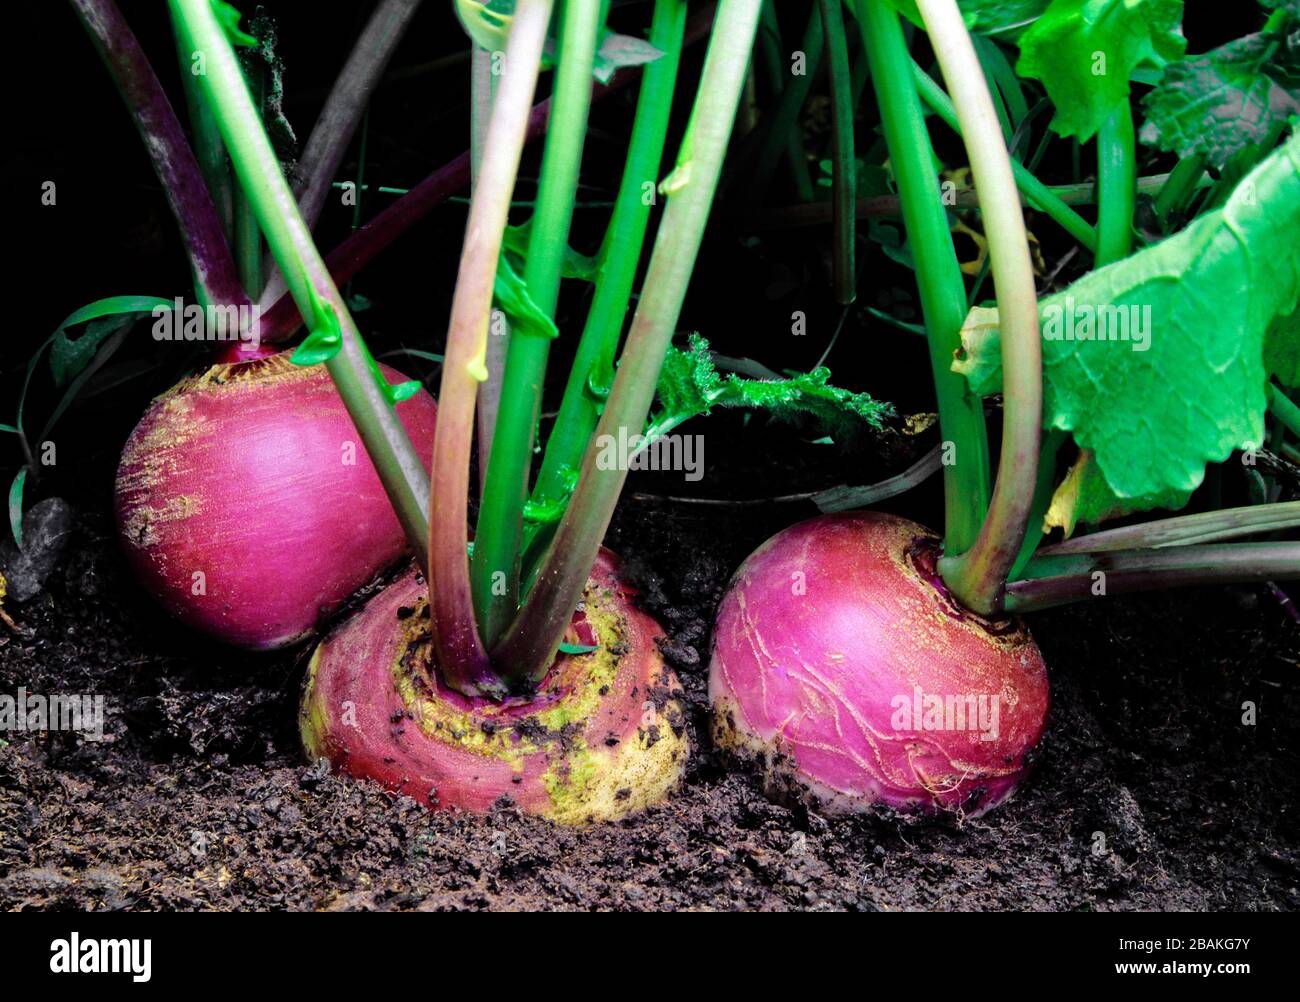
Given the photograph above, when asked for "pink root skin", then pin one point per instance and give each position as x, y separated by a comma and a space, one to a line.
826, 635
247, 505
602, 738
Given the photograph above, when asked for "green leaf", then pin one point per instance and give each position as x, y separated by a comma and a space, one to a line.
1291, 7
578, 648
1187, 386
689, 386
1086, 51
1002, 17
325, 340
317, 347
488, 24
1085, 496
403, 391
618, 51
1216, 104
69, 356
16, 506
229, 16
1282, 350
573, 265
10, 428
512, 298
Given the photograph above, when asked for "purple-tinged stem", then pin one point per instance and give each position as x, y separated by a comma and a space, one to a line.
173, 160
1207, 527
461, 655
489, 392
339, 118
1053, 581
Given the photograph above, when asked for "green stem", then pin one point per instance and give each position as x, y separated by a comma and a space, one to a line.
248, 245
460, 652
1116, 186
206, 137
1206, 527
593, 365
777, 68
781, 133
1039, 195
844, 167
368, 398
938, 273
1061, 580
1284, 409
248, 235
529, 645
494, 570
1176, 195
979, 575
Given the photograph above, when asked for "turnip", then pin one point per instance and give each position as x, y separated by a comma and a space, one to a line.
252, 499
601, 737
243, 511
860, 658
843, 663
247, 505
472, 702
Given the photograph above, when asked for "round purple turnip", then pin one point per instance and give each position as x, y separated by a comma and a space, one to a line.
841, 663
247, 504
602, 737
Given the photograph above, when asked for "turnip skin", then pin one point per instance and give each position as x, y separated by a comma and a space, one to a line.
603, 737
823, 628
246, 503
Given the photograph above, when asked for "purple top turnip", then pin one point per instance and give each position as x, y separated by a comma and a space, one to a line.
247, 505
843, 662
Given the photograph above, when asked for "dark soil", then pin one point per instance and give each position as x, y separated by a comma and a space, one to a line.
1149, 793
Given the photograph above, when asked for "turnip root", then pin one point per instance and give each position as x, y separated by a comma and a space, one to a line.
247, 505
601, 738
841, 662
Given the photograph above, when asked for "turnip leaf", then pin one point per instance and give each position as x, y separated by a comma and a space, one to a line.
1084, 496
1282, 349
69, 356
511, 295
689, 386
16, 506
574, 265
487, 23
229, 16
1156, 363
1086, 51
1217, 103
1288, 6
617, 51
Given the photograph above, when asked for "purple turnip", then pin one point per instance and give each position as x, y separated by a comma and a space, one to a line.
247, 505
841, 661
601, 738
